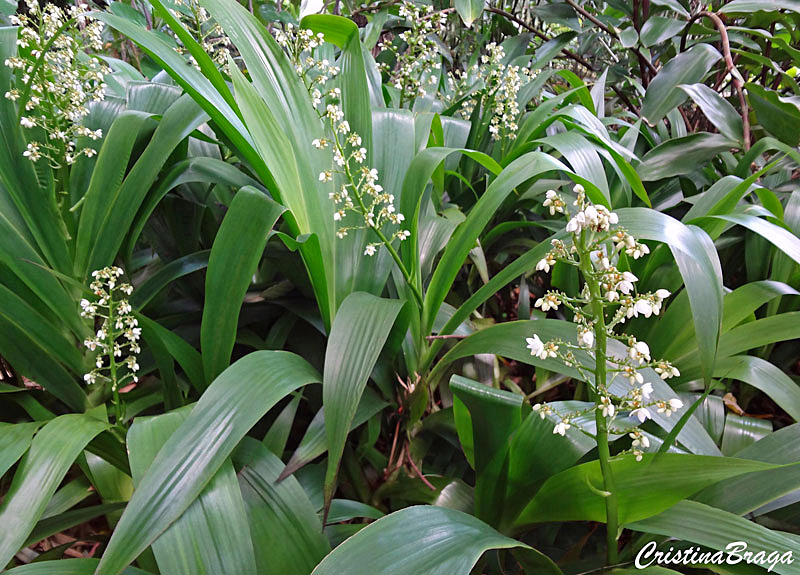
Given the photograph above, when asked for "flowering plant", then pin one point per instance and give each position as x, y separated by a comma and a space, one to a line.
57, 81
608, 298
116, 340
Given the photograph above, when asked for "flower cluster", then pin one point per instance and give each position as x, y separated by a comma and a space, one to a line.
419, 62
57, 82
208, 33
608, 298
358, 192
501, 85
118, 332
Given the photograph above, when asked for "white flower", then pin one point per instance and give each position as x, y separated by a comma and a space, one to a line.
586, 337
561, 427
670, 406
666, 370
325, 176
641, 414
640, 352
646, 390
536, 346
606, 406
644, 307
662, 294
370, 249
626, 284
26, 122
548, 302
546, 263
319, 143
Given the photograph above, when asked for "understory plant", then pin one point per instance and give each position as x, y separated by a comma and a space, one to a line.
409, 287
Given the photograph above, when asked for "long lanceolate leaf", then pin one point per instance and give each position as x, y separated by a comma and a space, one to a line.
423, 539
230, 267
359, 331
217, 517
52, 453
699, 267
192, 455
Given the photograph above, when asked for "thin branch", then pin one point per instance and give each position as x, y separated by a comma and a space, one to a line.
731, 67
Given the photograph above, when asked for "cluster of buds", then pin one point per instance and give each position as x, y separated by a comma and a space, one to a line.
360, 202
419, 63
595, 249
56, 81
208, 33
116, 340
501, 85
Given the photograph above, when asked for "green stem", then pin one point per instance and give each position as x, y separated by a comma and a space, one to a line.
603, 451
112, 360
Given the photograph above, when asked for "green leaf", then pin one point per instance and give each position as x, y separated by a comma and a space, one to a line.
776, 115
278, 507
643, 488
359, 331
420, 539
217, 517
190, 458
230, 268
175, 269
493, 416
684, 155
51, 454
314, 442
656, 29
63, 521
717, 109
15, 438
764, 376
690, 521
700, 269
688, 67
469, 10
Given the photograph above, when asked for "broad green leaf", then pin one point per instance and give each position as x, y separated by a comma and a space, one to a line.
282, 508
690, 521
52, 452
190, 458
688, 67
216, 518
779, 117
643, 488
57, 523
717, 109
314, 442
493, 415
761, 487
699, 267
359, 331
166, 275
469, 10
656, 29
420, 539
764, 376
345, 510
231, 265
15, 438
683, 155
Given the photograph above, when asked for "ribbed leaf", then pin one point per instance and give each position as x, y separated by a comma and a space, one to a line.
716, 108
216, 518
14, 442
234, 257
83, 566
52, 453
422, 539
687, 67
469, 10
278, 508
359, 331
643, 488
233, 403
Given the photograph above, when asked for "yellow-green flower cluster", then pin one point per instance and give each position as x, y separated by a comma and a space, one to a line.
56, 81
